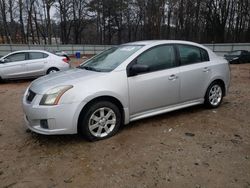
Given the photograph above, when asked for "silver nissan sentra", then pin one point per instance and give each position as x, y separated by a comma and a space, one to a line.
123, 84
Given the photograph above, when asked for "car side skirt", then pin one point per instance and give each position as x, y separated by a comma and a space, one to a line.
165, 109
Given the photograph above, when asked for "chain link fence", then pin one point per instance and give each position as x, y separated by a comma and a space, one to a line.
219, 49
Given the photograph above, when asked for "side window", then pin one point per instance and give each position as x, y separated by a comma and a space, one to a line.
37, 55
15, 57
158, 58
191, 54
45, 55
204, 55
243, 53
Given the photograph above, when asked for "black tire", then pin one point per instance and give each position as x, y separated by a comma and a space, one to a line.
86, 120
52, 70
208, 103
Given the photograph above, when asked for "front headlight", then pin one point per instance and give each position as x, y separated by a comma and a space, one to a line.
53, 96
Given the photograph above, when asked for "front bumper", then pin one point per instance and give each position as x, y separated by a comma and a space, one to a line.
61, 118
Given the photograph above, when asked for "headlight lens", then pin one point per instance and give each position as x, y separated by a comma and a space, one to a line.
53, 96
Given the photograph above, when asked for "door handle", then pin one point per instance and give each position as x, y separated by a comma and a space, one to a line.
206, 69
172, 77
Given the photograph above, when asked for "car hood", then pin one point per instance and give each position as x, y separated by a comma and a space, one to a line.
70, 77
231, 57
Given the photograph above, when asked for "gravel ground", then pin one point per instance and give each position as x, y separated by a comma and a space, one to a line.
193, 147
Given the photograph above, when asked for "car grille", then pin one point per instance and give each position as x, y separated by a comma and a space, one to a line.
30, 96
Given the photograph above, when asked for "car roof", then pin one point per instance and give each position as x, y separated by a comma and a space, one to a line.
145, 42
150, 42
239, 51
30, 51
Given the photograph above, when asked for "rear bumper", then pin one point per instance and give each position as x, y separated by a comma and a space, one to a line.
64, 67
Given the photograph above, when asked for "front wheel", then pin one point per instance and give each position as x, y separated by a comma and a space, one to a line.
101, 120
214, 95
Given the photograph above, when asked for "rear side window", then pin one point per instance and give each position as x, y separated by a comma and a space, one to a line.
204, 55
37, 55
244, 53
191, 54
158, 58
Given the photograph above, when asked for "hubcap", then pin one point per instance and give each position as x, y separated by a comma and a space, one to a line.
215, 95
102, 122
52, 71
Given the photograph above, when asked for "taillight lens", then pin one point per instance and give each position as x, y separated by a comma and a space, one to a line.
65, 60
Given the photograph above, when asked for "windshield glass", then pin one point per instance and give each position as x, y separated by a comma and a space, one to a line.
110, 59
235, 53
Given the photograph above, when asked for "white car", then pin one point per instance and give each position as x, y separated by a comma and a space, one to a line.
31, 63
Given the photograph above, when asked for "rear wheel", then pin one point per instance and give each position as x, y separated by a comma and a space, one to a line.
214, 95
52, 70
101, 120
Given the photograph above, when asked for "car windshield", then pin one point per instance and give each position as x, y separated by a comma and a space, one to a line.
110, 59
234, 53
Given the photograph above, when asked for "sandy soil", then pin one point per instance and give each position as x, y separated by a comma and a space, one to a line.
194, 147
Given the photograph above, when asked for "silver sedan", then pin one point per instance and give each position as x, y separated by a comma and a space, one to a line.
123, 84
31, 63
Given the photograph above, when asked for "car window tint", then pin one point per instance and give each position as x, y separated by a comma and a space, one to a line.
158, 58
189, 54
204, 55
37, 55
244, 53
16, 57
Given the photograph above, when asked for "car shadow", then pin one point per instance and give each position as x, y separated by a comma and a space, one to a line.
74, 139
56, 140
17, 81
167, 115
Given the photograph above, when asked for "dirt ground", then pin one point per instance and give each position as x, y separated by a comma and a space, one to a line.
194, 147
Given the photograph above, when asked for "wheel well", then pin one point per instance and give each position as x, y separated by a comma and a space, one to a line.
222, 84
51, 68
102, 98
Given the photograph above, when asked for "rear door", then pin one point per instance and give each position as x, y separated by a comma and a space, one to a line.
195, 72
159, 87
36, 63
14, 66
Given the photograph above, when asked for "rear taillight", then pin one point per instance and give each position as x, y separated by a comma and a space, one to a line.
65, 60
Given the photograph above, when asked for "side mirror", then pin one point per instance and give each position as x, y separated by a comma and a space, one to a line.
4, 61
137, 69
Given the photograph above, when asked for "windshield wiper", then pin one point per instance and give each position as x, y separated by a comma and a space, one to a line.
89, 68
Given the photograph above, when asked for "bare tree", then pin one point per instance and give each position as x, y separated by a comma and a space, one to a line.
4, 20
118, 21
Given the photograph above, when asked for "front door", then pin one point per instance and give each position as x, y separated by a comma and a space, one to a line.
14, 66
159, 86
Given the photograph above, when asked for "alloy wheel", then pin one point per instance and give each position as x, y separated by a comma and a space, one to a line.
215, 95
102, 122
